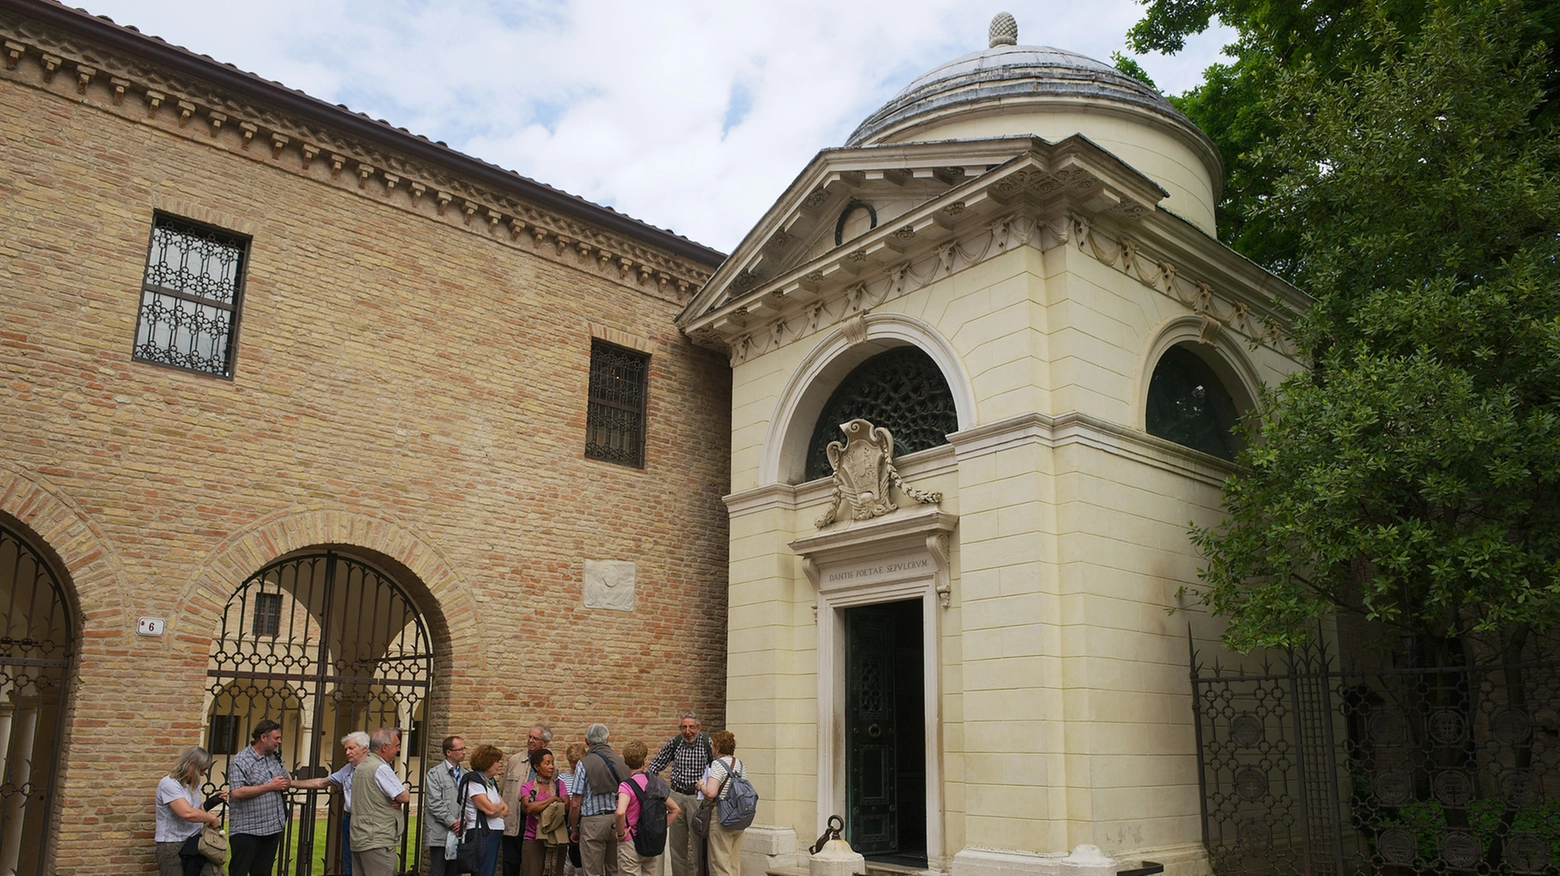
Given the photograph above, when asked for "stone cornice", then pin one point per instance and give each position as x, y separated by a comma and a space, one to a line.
1078, 428
1074, 195
87, 60
1069, 429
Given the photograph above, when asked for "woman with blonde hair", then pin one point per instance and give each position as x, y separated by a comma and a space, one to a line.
179, 815
724, 846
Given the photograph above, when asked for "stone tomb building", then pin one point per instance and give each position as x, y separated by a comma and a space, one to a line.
1011, 267
305, 417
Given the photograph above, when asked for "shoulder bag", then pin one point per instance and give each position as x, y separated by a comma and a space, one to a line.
468, 854
706, 813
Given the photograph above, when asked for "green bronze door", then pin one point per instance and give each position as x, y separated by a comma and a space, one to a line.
884, 757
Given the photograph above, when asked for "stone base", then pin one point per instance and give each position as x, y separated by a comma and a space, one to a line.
767, 848
1183, 860
993, 862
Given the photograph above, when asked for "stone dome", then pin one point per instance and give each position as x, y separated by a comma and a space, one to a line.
1009, 89
1008, 75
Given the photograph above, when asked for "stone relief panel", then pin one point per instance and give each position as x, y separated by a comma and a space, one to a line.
609, 584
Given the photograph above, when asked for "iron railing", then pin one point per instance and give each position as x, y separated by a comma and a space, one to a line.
1308, 767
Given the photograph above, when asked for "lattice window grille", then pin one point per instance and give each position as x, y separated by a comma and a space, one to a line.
190, 297
615, 415
901, 390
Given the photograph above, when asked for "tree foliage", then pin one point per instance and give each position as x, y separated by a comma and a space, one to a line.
1275, 37
1413, 473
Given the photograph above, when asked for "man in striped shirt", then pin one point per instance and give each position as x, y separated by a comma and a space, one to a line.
593, 803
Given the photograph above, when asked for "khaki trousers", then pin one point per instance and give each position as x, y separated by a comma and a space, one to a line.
598, 845
679, 835
375, 862
725, 850
631, 864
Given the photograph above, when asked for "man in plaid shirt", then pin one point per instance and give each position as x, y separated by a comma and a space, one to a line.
689, 754
257, 806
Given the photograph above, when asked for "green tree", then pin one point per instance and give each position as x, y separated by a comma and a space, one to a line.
1277, 36
1413, 473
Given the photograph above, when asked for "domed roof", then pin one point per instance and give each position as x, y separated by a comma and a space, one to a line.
1010, 76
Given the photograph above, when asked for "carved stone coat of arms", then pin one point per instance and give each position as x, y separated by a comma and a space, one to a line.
864, 473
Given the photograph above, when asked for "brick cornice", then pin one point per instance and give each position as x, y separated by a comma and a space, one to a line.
89, 60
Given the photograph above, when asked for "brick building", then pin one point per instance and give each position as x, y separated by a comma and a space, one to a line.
308, 417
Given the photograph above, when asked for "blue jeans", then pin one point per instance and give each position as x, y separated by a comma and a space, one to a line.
490, 852
346, 844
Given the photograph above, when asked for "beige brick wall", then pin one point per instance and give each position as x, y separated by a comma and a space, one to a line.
407, 384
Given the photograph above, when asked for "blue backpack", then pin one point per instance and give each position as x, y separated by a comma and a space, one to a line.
735, 810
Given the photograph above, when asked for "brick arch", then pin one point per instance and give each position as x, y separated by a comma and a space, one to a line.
94, 575
442, 597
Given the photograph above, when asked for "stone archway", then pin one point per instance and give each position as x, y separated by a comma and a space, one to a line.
37, 645
324, 642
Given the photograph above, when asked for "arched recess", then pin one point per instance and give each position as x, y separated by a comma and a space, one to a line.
86, 570
815, 379
444, 603
1210, 344
323, 641
38, 644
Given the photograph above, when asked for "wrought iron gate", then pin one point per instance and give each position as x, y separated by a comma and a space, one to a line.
35, 652
325, 644
1307, 769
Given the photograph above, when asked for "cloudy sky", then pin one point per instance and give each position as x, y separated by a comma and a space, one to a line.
688, 114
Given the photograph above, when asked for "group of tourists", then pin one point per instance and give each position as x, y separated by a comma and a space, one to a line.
597, 812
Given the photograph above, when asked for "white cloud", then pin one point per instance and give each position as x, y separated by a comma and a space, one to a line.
630, 104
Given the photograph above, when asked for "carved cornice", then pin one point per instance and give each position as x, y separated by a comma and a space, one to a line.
335, 147
1257, 321
1027, 203
902, 534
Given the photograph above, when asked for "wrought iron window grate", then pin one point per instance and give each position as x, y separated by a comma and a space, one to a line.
190, 297
615, 415
901, 390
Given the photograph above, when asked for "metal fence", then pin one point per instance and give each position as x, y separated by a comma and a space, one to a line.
1312, 767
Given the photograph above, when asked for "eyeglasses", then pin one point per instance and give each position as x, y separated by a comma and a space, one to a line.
462, 748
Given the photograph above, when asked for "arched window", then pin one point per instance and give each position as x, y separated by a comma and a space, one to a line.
901, 390
1189, 404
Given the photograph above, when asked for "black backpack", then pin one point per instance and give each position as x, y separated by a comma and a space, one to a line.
650, 833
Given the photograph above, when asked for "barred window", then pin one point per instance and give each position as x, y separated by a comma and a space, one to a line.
190, 297
615, 416
901, 390
224, 735
268, 614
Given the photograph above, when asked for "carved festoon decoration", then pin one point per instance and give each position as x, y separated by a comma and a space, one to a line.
864, 473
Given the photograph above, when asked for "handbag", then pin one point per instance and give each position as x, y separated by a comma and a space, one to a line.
214, 844
468, 854
190, 857
702, 818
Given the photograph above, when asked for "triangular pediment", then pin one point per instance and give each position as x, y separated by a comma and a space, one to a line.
852, 211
